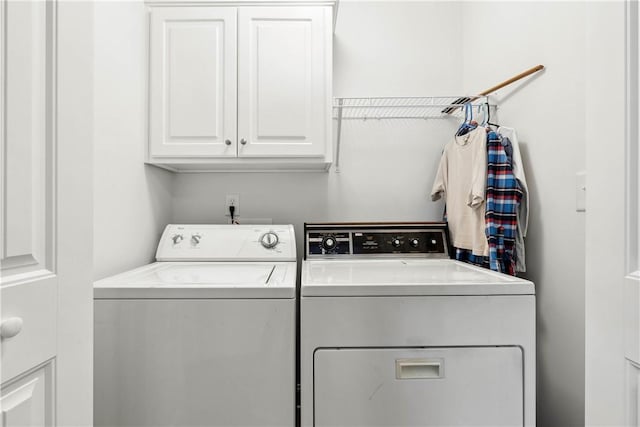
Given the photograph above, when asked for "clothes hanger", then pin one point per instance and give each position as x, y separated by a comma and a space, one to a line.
488, 121
486, 115
469, 124
482, 109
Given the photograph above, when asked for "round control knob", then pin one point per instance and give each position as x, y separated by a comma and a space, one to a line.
414, 242
195, 239
177, 238
329, 243
269, 240
395, 242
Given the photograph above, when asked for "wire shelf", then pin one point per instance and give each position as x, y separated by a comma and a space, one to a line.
413, 107
406, 108
384, 108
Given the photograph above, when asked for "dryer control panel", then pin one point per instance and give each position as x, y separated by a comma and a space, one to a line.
390, 239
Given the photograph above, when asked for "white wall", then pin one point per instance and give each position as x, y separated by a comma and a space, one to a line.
548, 111
387, 168
132, 201
399, 48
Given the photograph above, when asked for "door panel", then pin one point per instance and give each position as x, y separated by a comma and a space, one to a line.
283, 93
26, 171
460, 386
27, 401
282, 56
192, 76
632, 404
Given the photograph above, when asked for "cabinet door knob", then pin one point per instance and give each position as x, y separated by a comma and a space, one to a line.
10, 327
243, 141
227, 141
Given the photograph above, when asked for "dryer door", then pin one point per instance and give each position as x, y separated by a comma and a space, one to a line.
461, 386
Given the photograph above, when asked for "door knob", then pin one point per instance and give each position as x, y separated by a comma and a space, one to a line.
10, 327
227, 141
243, 141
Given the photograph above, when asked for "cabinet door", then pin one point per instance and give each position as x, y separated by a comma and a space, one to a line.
284, 81
192, 82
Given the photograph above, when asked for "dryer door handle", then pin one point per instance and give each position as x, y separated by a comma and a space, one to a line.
416, 369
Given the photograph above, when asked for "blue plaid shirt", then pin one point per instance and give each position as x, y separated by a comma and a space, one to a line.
503, 195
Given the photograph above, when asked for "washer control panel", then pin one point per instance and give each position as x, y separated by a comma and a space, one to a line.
338, 240
225, 242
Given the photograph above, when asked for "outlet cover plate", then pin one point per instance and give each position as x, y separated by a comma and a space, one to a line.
232, 200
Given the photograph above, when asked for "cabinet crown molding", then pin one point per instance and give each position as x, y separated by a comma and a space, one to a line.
331, 3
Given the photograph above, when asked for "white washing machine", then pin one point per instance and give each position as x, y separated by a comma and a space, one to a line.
394, 333
205, 336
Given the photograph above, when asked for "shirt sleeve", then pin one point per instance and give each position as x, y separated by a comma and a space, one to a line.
518, 172
479, 173
439, 188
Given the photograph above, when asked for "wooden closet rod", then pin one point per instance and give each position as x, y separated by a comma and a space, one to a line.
513, 79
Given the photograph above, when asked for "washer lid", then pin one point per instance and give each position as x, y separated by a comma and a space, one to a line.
406, 277
202, 280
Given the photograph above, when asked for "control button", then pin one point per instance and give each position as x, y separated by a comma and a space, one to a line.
414, 242
329, 243
177, 238
396, 242
269, 240
195, 239
432, 244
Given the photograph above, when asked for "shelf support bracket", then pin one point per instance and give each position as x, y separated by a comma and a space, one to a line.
339, 136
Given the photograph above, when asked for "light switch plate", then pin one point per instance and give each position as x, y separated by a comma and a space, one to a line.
581, 191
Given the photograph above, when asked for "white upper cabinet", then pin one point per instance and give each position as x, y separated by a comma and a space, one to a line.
192, 83
240, 87
282, 82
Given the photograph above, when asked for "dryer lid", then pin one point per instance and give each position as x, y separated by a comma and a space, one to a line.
396, 277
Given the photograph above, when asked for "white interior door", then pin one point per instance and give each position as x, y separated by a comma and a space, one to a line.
29, 281
45, 213
632, 226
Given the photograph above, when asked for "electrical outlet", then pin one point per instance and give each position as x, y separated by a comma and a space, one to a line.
232, 200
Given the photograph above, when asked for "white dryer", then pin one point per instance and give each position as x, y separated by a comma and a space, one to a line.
394, 333
205, 336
